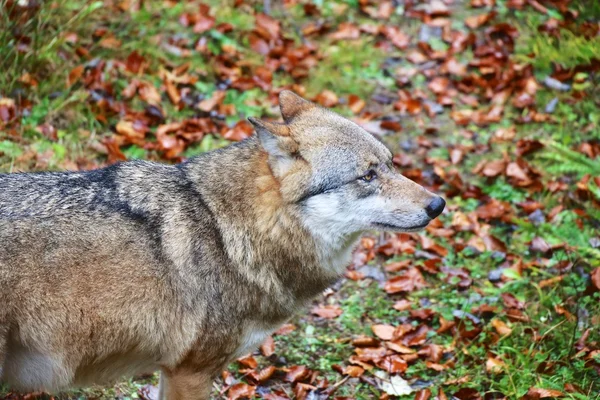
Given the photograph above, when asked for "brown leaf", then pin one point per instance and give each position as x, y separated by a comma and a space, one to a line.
402, 305
241, 391
526, 146
391, 125
240, 131
439, 84
475, 21
128, 130
297, 373
346, 31
114, 152
393, 364
539, 245
134, 62
493, 209
596, 278
149, 94
494, 365
411, 280
511, 301
501, 327
110, 42
263, 375
74, 75
399, 348
285, 329
467, 394
203, 23
398, 265
353, 371
365, 341
515, 171
367, 354
327, 98
267, 348
7, 109
328, 311
538, 393
441, 395
494, 168
210, 103
248, 361
172, 91
356, 104
267, 26
383, 332
423, 394
398, 38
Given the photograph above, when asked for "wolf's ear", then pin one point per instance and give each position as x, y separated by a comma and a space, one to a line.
275, 139
291, 104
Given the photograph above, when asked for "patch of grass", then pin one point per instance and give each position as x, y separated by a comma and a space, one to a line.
364, 302
31, 45
349, 67
559, 160
568, 50
500, 189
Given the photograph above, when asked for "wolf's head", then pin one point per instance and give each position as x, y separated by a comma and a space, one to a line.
339, 175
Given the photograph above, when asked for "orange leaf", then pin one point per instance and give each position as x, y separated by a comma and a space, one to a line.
353, 371
596, 278
501, 327
74, 75
268, 347
383, 332
297, 373
538, 393
329, 312
411, 280
241, 390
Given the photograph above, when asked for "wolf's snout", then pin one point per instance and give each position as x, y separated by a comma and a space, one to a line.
436, 207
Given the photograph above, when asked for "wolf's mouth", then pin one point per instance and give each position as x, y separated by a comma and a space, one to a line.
400, 228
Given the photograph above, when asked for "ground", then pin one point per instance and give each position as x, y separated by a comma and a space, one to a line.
493, 104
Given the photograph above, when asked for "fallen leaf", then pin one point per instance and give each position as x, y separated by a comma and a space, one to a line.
328, 311
501, 327
596, 278
411, 280
267, 348
297, 373
393, 385
241, 391
383, 332
538, 393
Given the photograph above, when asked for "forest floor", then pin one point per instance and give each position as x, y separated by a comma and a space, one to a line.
495, 104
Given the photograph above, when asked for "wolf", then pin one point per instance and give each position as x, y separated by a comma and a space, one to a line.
140, 266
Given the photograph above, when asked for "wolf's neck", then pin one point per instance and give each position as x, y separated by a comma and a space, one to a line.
264, 237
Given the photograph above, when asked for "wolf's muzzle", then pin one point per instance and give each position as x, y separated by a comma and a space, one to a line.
436, 207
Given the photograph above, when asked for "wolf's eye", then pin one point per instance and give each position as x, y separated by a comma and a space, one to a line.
369, 176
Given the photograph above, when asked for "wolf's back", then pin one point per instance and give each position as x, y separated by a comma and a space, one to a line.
47, 194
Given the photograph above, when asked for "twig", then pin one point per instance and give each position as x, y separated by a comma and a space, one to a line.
331, 389
537, 6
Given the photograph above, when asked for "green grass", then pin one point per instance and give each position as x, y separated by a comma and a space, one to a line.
568, 50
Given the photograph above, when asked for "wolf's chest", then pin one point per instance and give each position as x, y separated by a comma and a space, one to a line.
253, 335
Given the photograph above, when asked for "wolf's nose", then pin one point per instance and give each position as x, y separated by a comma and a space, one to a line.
436, 207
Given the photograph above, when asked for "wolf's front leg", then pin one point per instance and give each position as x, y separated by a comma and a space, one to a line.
185, 383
